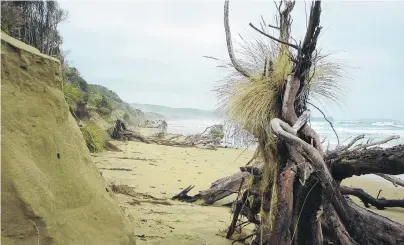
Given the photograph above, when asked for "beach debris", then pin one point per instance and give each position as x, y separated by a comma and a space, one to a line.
210, 138
136, 201
136, 158
218, 190
120, 132
144, 237
160, 124
118, 169
137, 196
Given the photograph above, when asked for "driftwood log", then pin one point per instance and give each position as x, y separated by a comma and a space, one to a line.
218, 190
120, 132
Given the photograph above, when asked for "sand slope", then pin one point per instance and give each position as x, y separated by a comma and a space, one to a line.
52, 193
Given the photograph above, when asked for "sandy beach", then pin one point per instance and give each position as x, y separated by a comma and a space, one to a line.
159, 172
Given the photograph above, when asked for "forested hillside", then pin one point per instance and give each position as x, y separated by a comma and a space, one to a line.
95, 107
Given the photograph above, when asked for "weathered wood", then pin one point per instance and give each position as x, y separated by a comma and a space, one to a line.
229, 43
394, 180
237, 209
120, 132
335, 226
219, 189
281, 226
374, 160
330, 187
183, 195
348, 223
307, 201
131, 135
225, 187
301, 121
380, 142
368, 199
252, 170
373, 229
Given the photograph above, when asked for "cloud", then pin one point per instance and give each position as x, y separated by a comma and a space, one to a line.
151, 51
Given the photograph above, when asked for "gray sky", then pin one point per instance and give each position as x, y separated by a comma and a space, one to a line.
151, 51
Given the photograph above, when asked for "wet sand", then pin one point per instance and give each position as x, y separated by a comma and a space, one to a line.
162, 172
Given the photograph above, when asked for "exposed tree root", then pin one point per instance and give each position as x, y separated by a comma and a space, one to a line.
374, 160
368, 199
396, 181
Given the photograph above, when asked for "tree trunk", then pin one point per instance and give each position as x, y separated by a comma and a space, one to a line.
298, 177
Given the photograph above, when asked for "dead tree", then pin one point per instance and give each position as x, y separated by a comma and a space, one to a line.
298, 177
120, 132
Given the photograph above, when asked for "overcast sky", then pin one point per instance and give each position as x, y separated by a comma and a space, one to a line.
151, 51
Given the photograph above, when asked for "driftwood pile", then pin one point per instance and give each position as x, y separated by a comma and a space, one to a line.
160, 124
344, 162
297, 187
211, 137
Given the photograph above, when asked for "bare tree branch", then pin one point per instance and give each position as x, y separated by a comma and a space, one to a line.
396, 181
332, 126
229, 43
301, 121
351, 143
394, 137
368, 199
274, 38
275, 27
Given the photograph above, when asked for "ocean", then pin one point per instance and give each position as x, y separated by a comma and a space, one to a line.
373, 130
193, 121
346, 129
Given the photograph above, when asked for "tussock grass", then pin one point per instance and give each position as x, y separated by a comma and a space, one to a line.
72, 95
327, 82
93, 138
254, 102
250, 103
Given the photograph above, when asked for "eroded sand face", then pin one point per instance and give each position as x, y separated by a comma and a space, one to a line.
162, 171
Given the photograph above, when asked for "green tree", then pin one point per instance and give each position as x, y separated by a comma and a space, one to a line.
34, 23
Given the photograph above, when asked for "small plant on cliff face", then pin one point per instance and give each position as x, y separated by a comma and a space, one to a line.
126, 117
72, 95
93, 138
103, 111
